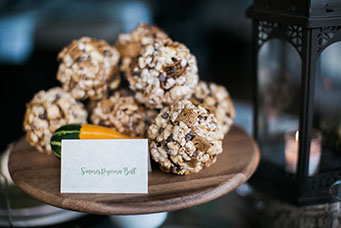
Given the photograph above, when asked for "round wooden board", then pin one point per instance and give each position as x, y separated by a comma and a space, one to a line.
39, 176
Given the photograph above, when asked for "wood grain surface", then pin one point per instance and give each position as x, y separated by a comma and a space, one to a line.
39, 176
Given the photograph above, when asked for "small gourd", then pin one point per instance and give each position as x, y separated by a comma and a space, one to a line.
82, 131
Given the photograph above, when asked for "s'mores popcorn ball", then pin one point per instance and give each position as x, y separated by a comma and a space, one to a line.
47, 111
218, 100
88, 66
164, 73
185, 138
122, 113
129, 44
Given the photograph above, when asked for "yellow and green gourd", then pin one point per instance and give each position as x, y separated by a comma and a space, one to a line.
82, 131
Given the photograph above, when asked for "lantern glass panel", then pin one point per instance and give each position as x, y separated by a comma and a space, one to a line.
327, 108
279, 79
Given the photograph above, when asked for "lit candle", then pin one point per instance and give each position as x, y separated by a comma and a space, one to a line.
291, 151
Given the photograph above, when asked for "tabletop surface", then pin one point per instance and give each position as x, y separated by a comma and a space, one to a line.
39, 176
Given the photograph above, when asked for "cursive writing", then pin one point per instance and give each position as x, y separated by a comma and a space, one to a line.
107, 172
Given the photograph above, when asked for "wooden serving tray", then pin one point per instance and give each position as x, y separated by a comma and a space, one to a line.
39, 175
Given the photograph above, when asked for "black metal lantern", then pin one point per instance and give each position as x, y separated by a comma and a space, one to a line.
297, 84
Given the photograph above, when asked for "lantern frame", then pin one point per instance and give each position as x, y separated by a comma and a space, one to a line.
310, 27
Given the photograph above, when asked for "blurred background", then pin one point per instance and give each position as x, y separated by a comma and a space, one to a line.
33, 32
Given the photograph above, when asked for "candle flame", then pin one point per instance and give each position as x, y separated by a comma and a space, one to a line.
296, 136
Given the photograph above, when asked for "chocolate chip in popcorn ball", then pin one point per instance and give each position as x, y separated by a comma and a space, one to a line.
47, 111
184, 138
164, 73
218, 100
129, 44
121, 112
88, 66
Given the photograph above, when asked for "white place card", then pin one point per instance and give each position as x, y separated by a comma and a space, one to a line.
104, 166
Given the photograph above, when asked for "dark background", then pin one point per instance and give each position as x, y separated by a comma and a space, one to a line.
33, 32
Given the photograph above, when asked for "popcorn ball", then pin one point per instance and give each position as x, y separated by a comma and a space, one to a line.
218, 100
185, 138
164, 73
47, 111
88, 67
121, 112
129, 44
